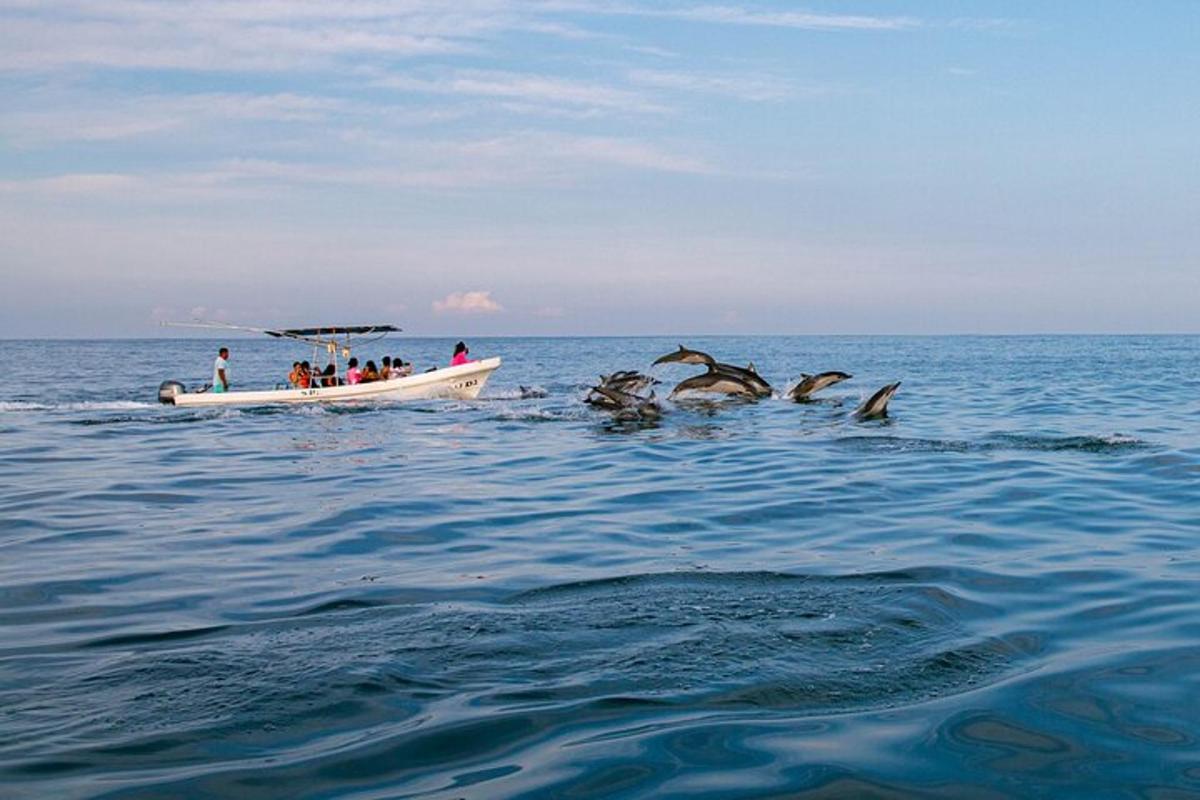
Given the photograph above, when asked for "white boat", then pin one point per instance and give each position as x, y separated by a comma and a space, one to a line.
462, 382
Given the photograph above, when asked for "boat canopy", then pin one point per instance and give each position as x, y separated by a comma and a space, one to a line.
303, 334
322, 337
331, 330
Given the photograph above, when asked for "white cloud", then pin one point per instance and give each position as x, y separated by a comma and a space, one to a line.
272, 35
755, 88
206, 314
532, 158
793, 19
526, 88
539, 150
737, 15
80, 117
467, 303
81, 183
262, 35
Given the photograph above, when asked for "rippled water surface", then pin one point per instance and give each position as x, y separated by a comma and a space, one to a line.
994, 593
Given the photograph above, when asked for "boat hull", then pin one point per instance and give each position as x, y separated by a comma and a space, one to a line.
463, 382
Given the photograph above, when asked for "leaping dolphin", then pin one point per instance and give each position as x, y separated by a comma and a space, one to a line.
747, 375
811, 384
716, 382
876, 406
685, 356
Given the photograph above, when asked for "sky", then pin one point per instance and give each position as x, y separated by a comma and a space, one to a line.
585, 167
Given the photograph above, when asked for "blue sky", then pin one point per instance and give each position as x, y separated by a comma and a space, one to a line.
588, 167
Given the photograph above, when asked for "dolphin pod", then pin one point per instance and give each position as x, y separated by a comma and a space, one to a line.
618, 393
734, 381
727, 379
629, 380
621, 392
629, 406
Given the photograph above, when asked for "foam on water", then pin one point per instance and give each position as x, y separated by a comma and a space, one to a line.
83, 405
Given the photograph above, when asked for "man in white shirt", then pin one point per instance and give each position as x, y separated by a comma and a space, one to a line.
220, 381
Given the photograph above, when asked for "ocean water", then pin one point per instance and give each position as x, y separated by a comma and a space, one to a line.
993, 593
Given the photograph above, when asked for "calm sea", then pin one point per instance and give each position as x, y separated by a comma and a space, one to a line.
994, 593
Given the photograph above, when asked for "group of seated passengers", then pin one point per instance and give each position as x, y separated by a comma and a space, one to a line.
303, 377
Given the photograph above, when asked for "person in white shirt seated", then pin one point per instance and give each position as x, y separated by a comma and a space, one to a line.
400, 369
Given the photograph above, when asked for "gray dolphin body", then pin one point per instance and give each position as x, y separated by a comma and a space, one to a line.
629, 406
876, 406
599, 396
716, 382
811, 384
685, 356
747, 375
627, 381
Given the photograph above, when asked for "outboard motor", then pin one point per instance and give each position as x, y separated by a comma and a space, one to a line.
167, 390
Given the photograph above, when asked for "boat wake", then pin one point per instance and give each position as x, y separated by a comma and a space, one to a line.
18, 406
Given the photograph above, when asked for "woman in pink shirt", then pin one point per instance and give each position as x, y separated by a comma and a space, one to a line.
353, 375
460, 355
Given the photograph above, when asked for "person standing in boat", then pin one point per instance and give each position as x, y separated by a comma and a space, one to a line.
460, 355
220, 382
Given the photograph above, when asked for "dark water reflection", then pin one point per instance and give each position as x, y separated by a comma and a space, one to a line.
991, 594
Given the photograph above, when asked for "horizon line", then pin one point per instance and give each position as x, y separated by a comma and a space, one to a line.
960, 334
